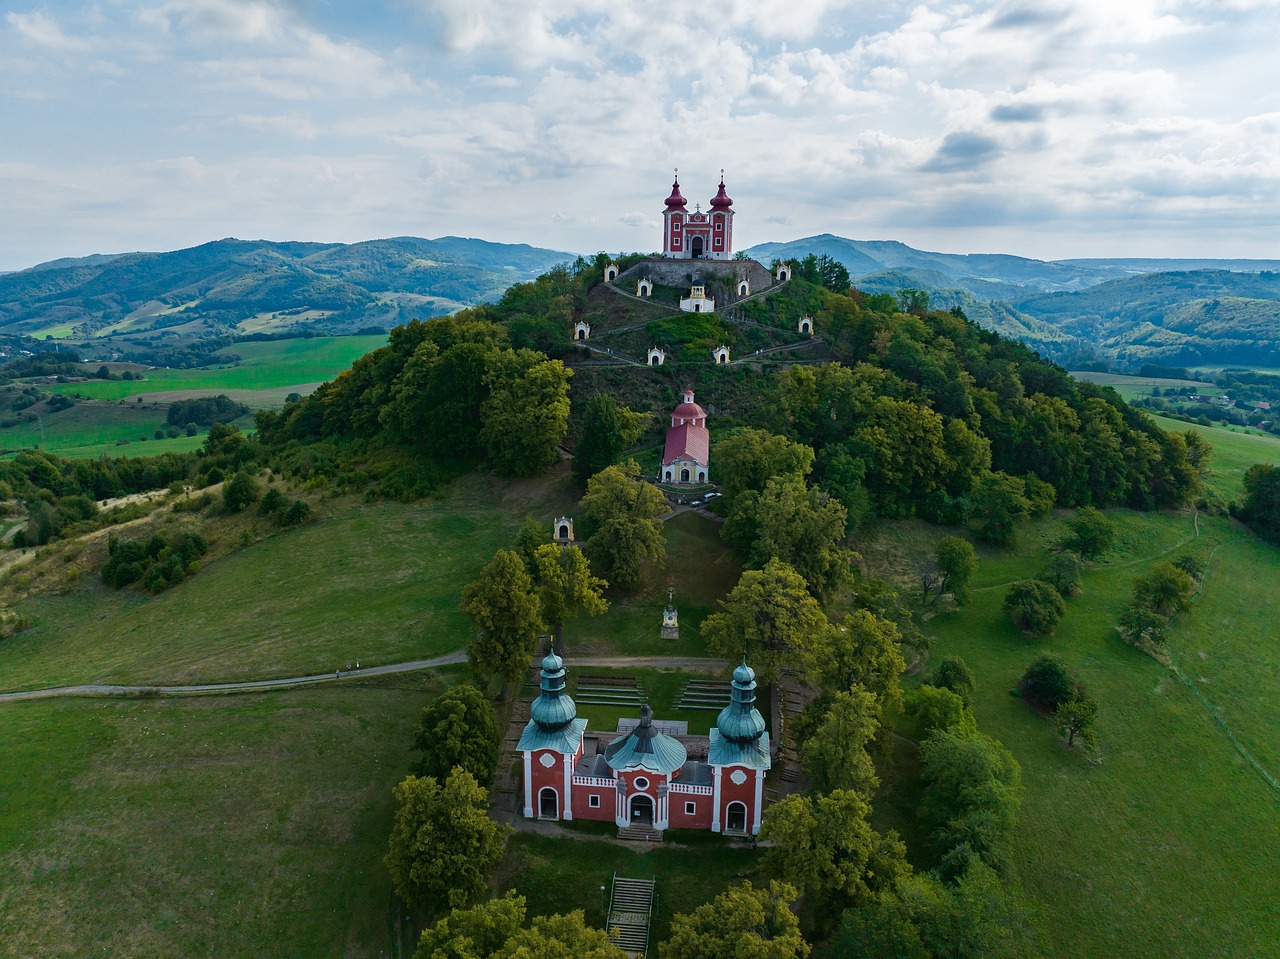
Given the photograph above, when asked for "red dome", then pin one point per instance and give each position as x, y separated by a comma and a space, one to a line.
721, 200
688, 410
675, 201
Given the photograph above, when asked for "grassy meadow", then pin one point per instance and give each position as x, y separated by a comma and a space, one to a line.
1234, 451
376, 583
91, 428
1165, 844
199, 826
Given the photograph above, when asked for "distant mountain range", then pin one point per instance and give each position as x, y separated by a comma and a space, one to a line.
1124, 311
247, 286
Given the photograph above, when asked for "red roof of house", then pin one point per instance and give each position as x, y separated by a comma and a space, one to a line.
687, 441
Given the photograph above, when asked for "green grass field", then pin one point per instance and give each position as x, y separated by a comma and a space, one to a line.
217, 826
271, 366
91, 428
1234, 451
1131, 386
1166, 847
377, 583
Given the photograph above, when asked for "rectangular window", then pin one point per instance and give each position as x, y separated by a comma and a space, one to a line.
691, 809
593, 801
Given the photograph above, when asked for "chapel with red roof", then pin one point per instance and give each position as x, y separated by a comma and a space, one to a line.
686, 455
698, 235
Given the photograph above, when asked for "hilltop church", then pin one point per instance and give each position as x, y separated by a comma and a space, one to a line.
698, 235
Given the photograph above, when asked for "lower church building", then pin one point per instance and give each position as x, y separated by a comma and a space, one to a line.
644, 776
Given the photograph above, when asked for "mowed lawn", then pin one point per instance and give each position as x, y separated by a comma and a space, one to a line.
378, 583
218, 826
272, 365
1167, 845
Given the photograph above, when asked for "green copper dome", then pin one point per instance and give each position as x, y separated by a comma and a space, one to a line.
739, 737
554, 708
646, 748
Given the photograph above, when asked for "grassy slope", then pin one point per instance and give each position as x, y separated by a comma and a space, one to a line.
378, 584
218, 826
1234, 451
263, 366
1167, 846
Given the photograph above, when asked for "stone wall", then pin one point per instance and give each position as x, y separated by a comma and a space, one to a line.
686, 273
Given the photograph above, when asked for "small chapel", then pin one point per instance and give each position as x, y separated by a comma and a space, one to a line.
644, 775
686, 453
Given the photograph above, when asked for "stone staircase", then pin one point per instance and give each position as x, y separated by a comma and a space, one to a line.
640, 833
630, 909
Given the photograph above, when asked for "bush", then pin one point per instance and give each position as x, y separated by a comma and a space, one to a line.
273, 501
1063, 572
1034, 606
1049, 683
953, 674
298, 512
240, 492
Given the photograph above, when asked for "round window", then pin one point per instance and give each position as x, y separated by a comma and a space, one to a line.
641, 782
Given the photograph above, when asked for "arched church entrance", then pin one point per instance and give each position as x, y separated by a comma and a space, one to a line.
564, 531
696, 247
642, 810
548, 803
684, 475
735, 819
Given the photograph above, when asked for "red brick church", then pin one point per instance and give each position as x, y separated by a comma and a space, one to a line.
698, 235
644, 775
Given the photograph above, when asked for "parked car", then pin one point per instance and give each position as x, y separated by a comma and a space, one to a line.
697, 502
710, 496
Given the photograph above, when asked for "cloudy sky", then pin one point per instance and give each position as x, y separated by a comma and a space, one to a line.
1047, 128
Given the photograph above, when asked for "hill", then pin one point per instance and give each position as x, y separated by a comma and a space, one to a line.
252, 286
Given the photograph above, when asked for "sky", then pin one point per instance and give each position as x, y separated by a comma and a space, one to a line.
1042, 128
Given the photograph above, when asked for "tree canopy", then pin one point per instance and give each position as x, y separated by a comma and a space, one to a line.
626, 522
608, 428
458, 728
566, 586
507, 614
742, 922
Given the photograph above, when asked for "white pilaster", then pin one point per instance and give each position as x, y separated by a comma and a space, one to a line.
755, 828
528, 785
715, 800
568, 787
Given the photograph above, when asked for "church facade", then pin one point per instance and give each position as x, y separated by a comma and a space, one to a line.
687, 451
698, 235
644, 776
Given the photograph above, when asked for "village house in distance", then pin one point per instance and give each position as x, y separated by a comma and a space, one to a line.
650, 774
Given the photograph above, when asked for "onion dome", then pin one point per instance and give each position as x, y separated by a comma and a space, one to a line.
675, 201
721, 200
739, 737
688, 410
646, 748
553, 709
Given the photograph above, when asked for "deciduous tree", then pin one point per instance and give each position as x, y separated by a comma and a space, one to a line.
864, 650
443, 842
625, 516
953, 674
607, 430
505, 609
458, 728
999, 502
1165, 589
749, 458
742, 922
1076, 717
1034, 606
973, 787
836, 756
566, 586
1092, 534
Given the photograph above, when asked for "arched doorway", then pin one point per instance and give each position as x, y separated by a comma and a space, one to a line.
735, 817
654, 360
641, 810
667, 475
696, 247
684, 475
548, 803
582, 334
564, 531
804, 327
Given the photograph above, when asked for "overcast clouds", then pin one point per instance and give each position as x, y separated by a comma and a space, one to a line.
1041, 128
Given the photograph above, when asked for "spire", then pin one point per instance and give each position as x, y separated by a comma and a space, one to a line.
721, 200
740, 722
675, 201
553, 709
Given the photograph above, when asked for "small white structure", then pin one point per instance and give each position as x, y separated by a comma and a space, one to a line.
720, 355
783, 273
670, 619
744, 288
697, 301
644, 287
805, 325
610, 272
562, 530
582, 330
657, 356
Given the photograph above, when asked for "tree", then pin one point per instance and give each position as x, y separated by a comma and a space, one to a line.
800, 525
443, 843
973, 787
953, 563
566, 587
607, 430
1165, 589
1141, 626
999, 502
239, 492
458, 729
532, 534
770, 617
864, 650
1092, 534
474, 933
1049, 683
1034, 607
953, 674
526, 415
825, 847
933, 707
1062, 572
502, 604
625, 516
557, 936
742, 922
835, 755
749, 458
1076, 717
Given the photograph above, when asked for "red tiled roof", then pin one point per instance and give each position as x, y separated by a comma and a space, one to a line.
688, 441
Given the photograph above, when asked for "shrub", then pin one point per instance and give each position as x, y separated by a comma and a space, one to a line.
1063, 572
953, 674
240, 492
1049, 683
1034, 606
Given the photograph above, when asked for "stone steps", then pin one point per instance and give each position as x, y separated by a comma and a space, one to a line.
630, 910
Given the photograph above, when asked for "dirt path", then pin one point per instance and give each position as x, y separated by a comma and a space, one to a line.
205, 688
